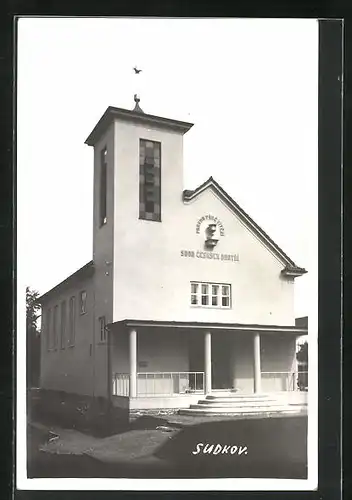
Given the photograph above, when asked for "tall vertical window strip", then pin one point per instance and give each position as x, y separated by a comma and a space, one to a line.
103, 187
83, 302
48, 329
55, 326
63, 325
149, 180
72, 320
102, 325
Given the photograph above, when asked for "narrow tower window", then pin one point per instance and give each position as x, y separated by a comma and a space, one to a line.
149, 180
103, 187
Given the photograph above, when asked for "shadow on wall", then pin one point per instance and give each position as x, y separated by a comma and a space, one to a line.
73, 411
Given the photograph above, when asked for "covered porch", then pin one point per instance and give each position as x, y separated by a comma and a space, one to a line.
174, 364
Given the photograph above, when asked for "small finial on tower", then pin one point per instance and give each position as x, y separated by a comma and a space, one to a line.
137, 108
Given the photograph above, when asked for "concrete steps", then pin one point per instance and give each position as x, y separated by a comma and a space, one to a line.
235, 404
231, 402
244, 406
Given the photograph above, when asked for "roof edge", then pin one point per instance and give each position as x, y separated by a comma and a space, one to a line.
196, 324
85, 271
127, 115
293, 271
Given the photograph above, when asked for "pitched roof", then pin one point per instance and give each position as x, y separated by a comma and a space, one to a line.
291, 269
86, 271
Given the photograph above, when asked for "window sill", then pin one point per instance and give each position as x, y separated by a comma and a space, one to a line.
194, 306
149, 220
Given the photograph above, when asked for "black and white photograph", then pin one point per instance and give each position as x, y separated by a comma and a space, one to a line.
167, 242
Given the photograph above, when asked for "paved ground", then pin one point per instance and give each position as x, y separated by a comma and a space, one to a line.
164, 446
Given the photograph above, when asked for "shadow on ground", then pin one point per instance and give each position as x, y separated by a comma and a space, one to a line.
275, 448
270, 447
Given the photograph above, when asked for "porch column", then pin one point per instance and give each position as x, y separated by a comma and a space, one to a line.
133, 362
207, 363
257, 368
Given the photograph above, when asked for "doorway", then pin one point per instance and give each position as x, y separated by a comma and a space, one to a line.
221, 353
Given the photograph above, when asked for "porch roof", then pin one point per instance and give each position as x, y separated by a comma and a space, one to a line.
196, 325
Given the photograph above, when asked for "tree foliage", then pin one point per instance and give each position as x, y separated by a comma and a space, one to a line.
302, 354
33, 309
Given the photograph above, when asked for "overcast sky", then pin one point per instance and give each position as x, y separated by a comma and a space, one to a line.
249, 86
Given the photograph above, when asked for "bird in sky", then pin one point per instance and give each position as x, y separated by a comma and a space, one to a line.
136, 70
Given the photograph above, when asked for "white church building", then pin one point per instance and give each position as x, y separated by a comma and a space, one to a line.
186, 297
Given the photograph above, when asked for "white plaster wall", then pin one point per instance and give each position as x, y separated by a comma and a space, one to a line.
152, 280
183, 401
277, 355
77, 369
242, 362
70, 369
162, 351
119, 352
157, 351
103, 258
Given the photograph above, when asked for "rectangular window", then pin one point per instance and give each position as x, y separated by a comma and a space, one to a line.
48, 329
55, 326
72, 322
149, 180
215, 295
83, 302
225, 296
205, 295
63, 325
103, 188
194, 293
102, 328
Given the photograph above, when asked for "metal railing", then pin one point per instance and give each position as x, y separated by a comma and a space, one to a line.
169, 383
285, 381
160, 383
302, 380
121, 384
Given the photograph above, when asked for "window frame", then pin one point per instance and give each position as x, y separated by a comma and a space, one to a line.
63, 314
48, 327
55, 327
204, 292
83, 310
71, 338
102, 329
149, 192
103, 187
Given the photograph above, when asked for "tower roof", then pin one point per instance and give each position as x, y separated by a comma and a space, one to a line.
137, 116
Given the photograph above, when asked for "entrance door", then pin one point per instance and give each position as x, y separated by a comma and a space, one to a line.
221, 363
